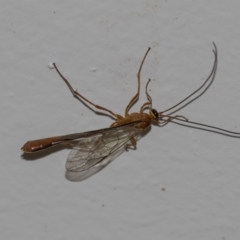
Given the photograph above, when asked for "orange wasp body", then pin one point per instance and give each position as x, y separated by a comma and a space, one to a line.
91, 148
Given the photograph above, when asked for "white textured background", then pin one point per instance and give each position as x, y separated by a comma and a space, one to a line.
98, 46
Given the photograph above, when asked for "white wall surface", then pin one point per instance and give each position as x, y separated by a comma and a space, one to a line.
98, 46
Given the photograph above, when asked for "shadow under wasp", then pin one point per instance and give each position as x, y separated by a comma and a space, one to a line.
94, 147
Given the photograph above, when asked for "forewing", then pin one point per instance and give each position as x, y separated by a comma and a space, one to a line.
92, 150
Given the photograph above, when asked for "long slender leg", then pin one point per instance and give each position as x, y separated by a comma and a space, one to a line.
144, 106
163, 122
132, 144
135, 98
148, 97
78, 95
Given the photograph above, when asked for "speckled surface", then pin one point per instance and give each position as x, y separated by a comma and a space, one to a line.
180, 183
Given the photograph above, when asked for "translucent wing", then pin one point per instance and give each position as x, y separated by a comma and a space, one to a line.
102, 146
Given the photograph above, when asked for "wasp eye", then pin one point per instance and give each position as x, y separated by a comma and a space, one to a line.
155, 113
